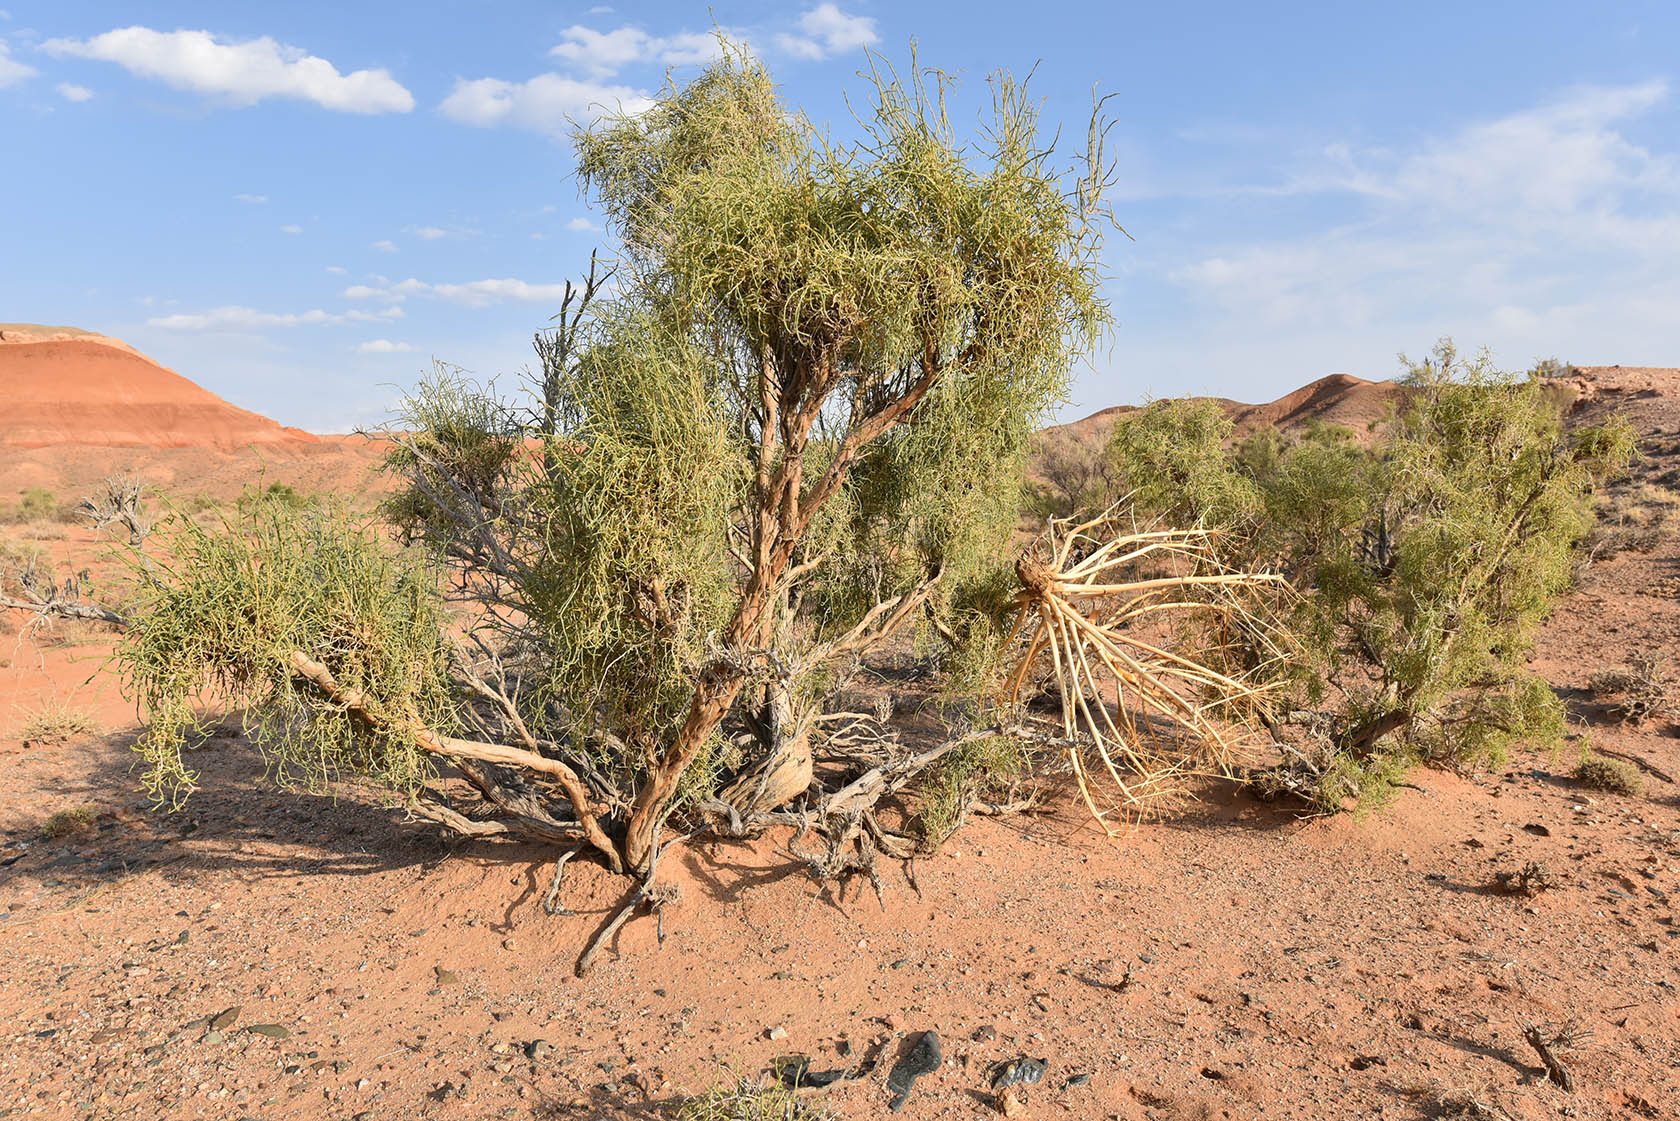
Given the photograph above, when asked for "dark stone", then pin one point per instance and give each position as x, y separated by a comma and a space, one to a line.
924, 1058
225, 1018
273, 1031
1012, 1071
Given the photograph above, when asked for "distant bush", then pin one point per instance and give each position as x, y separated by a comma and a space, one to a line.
1598, 773
74, 819
1423, 565
280, 494
37, 504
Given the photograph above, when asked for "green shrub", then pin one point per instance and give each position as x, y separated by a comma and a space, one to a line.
281, 494
984, 767
1599, 773
37, 504
1423, 565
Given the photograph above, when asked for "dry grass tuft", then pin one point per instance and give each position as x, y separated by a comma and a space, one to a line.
1533, 879
75, 819
55, 722
1643, 689
742, 1099
1606, 774
1456, 1103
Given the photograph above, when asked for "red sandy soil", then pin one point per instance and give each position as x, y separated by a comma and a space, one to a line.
1278, 967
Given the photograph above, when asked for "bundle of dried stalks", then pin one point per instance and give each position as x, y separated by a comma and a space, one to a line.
1104, 602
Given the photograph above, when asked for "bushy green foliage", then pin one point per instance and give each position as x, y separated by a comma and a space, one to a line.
220, 615
984, 767
1425, 562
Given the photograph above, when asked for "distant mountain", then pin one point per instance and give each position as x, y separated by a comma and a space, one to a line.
63, 385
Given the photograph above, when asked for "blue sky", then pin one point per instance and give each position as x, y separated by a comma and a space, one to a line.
299, 206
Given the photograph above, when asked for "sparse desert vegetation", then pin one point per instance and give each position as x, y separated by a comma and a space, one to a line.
757, 713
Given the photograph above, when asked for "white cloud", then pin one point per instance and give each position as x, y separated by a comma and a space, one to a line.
1549, 230
236, 318
475, 293
431, 233
582, 225
294, 228
483, 293
545, 104
251, 198
604, 53
337, 270
386, 246
12, 72
826, 30
71, 92
391, 293
243, 73
385, 346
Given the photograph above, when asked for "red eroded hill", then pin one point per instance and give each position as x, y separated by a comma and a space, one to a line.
90, 390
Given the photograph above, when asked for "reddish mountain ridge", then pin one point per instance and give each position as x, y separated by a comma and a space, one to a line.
66, 386
1338, 399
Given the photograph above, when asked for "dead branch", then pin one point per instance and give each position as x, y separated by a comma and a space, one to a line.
1081, 593
117, 502
1544, 1045
655, 896
551, 901
317, 674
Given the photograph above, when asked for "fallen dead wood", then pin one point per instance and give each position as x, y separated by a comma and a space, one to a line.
1546, 1046
1084, 597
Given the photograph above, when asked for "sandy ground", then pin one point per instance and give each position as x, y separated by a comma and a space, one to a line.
267, 955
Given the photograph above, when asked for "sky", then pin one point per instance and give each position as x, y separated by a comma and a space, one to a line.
301, 206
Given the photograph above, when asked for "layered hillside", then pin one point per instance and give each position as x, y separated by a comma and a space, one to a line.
62, 385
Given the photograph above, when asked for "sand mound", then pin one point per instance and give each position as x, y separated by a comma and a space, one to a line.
65, 386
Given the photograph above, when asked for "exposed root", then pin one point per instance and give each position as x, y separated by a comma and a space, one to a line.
1084, 604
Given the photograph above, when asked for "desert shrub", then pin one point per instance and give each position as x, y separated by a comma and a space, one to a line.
55, 722
68, 821
1070, 477
1423, 564
983, 768
37, 504
738, 1098
282, 494
795, 428
1598, 773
